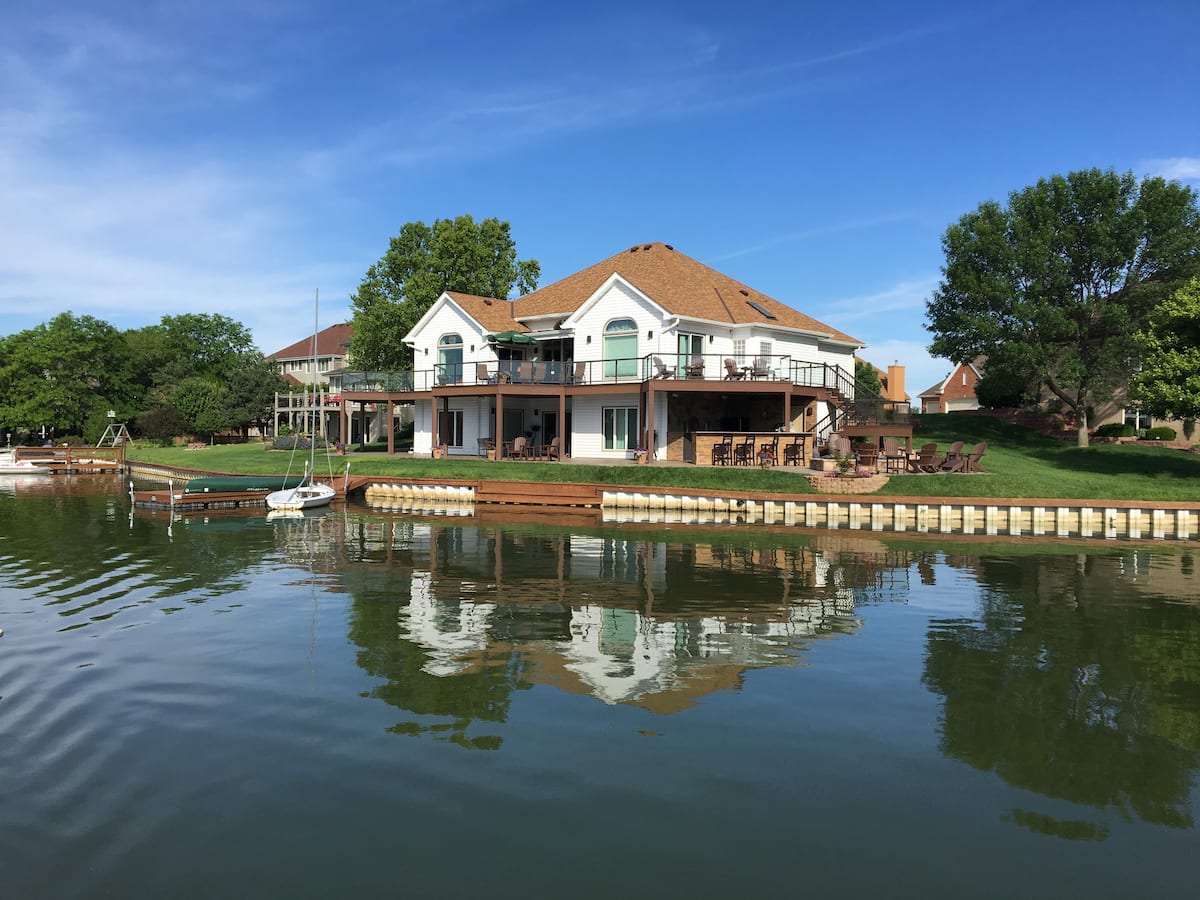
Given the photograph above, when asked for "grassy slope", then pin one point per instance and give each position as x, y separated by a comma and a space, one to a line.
1021, 463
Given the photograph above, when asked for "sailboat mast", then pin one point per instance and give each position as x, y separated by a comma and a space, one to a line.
316, 410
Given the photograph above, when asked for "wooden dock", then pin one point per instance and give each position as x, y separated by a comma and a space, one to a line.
74, 460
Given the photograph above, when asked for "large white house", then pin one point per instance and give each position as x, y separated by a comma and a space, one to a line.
648, 349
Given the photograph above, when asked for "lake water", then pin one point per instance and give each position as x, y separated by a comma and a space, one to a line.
364, 704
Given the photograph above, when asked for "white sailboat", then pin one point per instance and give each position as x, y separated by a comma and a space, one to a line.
309, 493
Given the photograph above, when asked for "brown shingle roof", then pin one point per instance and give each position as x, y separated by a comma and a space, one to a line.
681, 285
331, 341
494, 315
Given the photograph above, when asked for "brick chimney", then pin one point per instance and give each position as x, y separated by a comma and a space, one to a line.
895, 382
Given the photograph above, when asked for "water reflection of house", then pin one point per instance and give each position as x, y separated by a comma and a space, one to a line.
622, 619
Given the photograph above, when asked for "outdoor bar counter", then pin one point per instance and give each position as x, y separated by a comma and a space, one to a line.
706, 440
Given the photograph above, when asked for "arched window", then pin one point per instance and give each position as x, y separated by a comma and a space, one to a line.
450, 358
620, 348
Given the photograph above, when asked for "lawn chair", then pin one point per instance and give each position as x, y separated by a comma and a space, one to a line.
732, 372
694, 369
551, 452
866, 456
895, 460
950, 460
660, 370
579, 375
759, 368
969, 462
482, 376
927, 460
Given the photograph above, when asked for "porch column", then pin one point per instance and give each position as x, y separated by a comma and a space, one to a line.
787, 410
433, 422
391, 427
498, 429
650, 444
562, 423
343, 433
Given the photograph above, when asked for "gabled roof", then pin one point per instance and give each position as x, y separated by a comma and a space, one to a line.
938, 389
331, 341
680, 285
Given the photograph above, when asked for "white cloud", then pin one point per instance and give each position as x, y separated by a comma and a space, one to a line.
1179, 168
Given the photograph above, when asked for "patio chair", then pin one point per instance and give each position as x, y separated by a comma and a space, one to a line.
732, 372
722, 451
759, 369
660, 370
579, 376
482, 376
866, 455
517, 448
926, 461
895, 460
743, 452
695, 369
551, 452
524, 373
969, 462
950, 460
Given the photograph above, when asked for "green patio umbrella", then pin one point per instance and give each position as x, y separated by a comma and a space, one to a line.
510, 337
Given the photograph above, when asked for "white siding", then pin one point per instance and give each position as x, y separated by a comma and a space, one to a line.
587, 439
619, 302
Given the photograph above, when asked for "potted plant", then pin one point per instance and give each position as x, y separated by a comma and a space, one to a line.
439, 451
642, 455
845, 465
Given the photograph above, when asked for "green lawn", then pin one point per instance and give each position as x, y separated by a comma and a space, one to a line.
1020, 463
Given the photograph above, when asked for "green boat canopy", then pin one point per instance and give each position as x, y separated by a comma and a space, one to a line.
510, 337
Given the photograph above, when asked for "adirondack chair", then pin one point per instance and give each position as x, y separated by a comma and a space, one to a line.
947, 462
732, 372
661, 370
969, 462
927, 460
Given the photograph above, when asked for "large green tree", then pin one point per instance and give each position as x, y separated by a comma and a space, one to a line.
1168, 383
1069, 270
421, 263
250, 387
60, 373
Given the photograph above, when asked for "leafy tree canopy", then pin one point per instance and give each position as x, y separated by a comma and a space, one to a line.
1168, 383
1070, 269
58, 373
866, 377
421, 263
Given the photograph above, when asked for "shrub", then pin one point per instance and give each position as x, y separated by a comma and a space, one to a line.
1114, 430
1161, 433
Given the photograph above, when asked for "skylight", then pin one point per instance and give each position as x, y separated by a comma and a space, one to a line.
755, 306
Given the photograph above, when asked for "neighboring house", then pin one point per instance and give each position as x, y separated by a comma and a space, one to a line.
296, 360
646, 349
956, 392
298, 370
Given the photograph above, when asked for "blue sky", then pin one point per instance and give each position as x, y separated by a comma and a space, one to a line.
232, 156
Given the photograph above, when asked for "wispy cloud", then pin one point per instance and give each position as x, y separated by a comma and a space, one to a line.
804, 234
1179, 168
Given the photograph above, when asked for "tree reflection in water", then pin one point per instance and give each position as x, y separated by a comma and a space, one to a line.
1079, 680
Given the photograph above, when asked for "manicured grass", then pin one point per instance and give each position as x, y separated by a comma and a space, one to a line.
1023, 463
1020, 462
